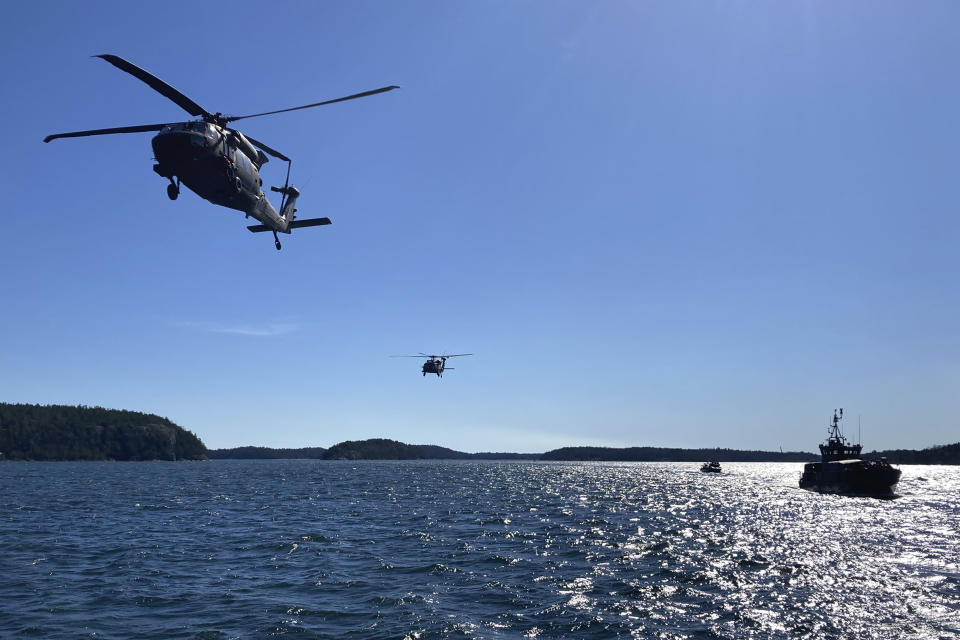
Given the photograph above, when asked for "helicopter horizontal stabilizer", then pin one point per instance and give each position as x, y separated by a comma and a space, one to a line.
309, 222
296, 224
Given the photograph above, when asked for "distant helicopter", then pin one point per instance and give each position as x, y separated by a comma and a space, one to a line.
436, 364
217, 163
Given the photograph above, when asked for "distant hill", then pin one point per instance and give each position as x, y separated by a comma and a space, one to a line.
59, 432
660, 454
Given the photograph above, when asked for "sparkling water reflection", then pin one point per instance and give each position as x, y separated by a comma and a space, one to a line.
248, 549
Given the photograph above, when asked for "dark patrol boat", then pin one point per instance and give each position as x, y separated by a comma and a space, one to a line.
842, 470
710, 467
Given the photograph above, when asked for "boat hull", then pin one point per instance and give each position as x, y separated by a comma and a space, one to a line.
851, 477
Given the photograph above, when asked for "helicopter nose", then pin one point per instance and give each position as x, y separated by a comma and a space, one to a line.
168, 145
175, 145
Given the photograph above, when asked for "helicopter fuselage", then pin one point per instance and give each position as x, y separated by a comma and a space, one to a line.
219, 165
435, 366
216, 162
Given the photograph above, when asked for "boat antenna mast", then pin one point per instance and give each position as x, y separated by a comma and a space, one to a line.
834, 433
837, 447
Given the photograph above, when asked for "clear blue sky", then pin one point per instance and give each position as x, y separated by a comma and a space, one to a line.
670, 224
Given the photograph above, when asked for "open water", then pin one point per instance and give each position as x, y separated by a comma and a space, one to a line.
423, 550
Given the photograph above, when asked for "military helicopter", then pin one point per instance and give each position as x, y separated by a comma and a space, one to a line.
217, 163
435, 364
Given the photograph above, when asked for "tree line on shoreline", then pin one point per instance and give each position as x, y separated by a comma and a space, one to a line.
371, 449
384, 449
63, 432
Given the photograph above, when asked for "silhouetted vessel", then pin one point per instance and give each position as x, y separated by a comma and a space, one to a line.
842, 470
710, 467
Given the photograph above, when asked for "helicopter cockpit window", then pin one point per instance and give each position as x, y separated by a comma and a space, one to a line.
198, 127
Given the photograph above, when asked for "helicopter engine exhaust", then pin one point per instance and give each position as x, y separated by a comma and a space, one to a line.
256, 156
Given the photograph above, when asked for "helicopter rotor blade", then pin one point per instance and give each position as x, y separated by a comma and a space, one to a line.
102, 132
157, 85
456, 355
315, 104
273, 152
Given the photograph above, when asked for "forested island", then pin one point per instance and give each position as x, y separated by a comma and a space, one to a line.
61, 432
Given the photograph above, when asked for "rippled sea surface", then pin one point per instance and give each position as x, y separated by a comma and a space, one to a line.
316, 549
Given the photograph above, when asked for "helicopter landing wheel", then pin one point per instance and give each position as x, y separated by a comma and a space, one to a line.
172, 191
278, 245
276, 240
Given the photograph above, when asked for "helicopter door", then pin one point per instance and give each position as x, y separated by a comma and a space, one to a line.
230, 155
244, 169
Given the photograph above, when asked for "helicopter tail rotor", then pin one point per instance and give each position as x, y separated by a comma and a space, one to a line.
286, 189
288, 208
